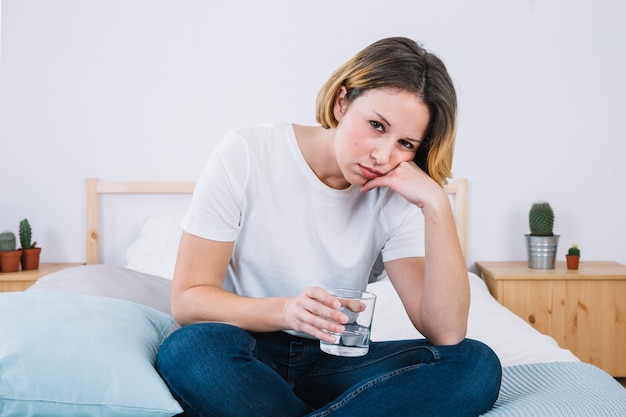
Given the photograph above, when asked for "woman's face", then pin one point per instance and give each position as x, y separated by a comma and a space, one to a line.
377, 131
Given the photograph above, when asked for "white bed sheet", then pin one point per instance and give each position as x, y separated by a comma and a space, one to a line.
514, 341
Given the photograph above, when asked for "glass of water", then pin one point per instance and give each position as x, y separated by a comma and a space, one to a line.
359, 307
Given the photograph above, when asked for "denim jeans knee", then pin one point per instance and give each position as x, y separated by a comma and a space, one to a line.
214, 369
457, 381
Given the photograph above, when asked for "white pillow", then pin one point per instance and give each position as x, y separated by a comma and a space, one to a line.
512, 339
154, 252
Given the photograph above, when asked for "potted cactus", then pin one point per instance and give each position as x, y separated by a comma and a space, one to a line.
541, 243
30, 253
9, 256
573, 257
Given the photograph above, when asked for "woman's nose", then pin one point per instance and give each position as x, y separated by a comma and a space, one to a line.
381, 154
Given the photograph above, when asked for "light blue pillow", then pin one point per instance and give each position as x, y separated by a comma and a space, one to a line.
80, 355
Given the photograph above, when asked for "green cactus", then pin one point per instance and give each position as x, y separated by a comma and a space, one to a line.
26, 235
541, 219
573, 251
7, 241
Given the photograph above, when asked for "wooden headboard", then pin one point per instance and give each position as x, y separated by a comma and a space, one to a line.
95, 187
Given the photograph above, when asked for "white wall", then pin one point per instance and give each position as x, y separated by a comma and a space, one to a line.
142, 89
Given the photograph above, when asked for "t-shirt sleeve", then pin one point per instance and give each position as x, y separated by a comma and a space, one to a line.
408, 238
218, 198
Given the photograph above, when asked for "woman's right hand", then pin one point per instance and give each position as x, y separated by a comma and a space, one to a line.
314, 311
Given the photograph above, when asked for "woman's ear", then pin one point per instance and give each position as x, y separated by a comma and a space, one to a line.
341, 103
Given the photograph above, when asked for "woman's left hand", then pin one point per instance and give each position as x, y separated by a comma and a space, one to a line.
408, 180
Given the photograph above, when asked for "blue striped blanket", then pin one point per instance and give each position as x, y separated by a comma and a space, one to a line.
559, 389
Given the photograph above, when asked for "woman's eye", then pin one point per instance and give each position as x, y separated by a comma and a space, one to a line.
377, 125
406, 144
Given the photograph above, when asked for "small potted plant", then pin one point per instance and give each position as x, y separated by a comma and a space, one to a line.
541, 243
573, 257
9, 256
30, 253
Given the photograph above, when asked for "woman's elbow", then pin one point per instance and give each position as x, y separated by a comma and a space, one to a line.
448, 337
181, 310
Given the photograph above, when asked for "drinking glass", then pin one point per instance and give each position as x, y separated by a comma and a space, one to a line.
359, 307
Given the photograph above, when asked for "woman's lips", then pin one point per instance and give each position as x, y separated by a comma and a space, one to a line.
369, 173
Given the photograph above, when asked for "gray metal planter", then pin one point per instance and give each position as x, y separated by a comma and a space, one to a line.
541, 251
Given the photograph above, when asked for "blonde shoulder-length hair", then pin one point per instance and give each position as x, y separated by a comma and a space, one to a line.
400, 63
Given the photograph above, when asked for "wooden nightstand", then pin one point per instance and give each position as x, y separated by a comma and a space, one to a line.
19, 281
583, 310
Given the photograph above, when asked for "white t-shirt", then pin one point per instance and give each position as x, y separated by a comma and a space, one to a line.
292, 231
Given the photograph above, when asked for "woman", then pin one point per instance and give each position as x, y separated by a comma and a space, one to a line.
283, 211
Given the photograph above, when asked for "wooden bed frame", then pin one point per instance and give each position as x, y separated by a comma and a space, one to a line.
457, 189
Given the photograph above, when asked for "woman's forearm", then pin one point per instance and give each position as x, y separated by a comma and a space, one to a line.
206, 303
445, 301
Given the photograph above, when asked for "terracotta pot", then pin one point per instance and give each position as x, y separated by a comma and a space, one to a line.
30, 258
572, 261
10, 260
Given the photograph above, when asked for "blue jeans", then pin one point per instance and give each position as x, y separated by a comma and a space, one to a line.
217, 369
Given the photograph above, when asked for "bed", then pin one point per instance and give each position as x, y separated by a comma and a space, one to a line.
82, 341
